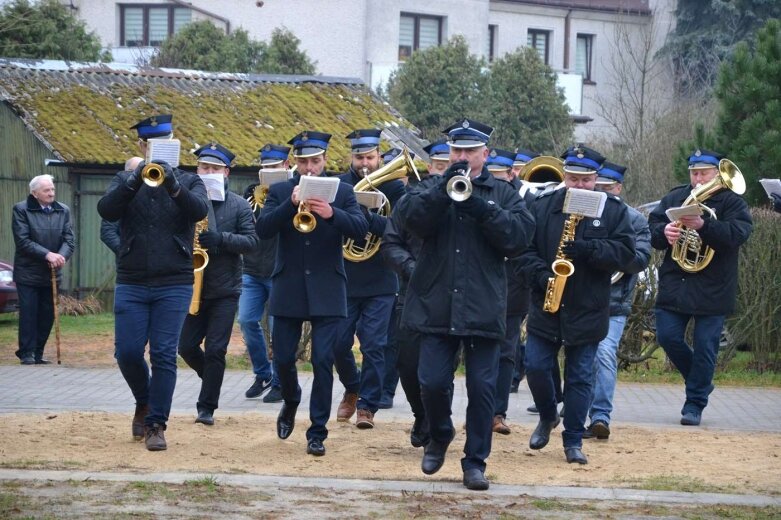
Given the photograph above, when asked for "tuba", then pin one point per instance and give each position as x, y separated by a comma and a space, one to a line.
562, 267
401, 166
200, 261
687, 251
543, 169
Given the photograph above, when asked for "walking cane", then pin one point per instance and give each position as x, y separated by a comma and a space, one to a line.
56, 314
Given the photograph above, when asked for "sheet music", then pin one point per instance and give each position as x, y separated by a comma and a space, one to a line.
163, 150
318, 188
771, 186
584, 202
370, 199
215, 185
684, 211
273, 176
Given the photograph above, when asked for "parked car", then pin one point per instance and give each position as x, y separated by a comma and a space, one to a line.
9, 301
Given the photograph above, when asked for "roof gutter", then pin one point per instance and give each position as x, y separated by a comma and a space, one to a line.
204, 11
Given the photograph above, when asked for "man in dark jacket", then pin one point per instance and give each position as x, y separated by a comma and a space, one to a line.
371, 293
458, 291
44, 242
308, 283
610, 180
154, 278
705, 295
601, 245
109, 231
230, 232
256, 289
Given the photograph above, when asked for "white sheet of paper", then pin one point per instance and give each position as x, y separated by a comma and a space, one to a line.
771, 186
163, 150
318, 188
584, 202
215, 185
370, 199
684, 211
270, 177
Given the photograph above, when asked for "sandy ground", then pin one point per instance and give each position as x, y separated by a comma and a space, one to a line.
699, 460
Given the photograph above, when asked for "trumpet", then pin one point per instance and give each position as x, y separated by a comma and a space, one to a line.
304, 221
153, 174
459, 187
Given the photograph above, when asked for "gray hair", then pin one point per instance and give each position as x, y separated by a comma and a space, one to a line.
36, 182
131, 163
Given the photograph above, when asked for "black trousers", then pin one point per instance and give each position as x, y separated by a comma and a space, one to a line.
36, 317
407, 363
212, 326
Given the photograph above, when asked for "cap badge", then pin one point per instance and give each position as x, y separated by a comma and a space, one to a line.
580, 155
153, 122
267, 148
493, 153
465, 124
304, 136
697, 153
213, 146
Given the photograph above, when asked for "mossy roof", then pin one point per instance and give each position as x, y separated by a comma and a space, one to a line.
83, 112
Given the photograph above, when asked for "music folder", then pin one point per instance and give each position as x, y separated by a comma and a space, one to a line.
163, 150
683, 211
772, 186
588, 203
318, 188
370, 199
270, 177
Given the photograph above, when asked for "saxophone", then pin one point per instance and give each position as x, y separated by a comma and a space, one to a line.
562, 267
200, 261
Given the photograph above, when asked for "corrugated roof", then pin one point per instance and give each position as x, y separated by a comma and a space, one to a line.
625, 6
83, 111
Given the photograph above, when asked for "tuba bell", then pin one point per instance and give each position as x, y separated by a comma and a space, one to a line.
401, 166
543, 169
687, 251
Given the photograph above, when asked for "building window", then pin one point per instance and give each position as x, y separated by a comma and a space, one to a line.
150, 25
418, 31
539, 40
491, 42
583, 55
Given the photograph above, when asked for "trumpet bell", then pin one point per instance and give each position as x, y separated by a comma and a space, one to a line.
153, 175
304, 221
459, 188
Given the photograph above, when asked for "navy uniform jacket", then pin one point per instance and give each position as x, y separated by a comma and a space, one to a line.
583, 316
372, 277
308, 278
459, 284
711, 291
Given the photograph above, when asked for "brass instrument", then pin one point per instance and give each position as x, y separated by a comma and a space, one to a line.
399, 167
153, 174
459, 187
200, 261
543, 169
616, 277
562, 267
304, 221
258, 198
687, 251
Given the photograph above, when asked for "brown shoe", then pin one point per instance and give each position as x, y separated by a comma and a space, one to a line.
138, 421
155, 438
365, 419
500, 426
346, 407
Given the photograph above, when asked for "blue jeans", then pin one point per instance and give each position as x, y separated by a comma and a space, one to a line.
369, 317
697, 364
255, 292
156, 315
541, 358
603, 378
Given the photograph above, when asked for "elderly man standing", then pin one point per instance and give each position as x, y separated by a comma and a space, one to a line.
44, 241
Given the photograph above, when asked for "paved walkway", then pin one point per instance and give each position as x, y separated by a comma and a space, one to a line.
53, 388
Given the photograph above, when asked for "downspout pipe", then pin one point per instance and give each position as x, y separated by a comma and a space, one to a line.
567, 20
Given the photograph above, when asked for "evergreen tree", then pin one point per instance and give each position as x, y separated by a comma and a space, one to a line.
525, 106
46, 30
282, 56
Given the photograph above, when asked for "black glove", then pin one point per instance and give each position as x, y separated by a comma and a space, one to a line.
776, 202
210, 239
170, 183
475, 207
134, 180
458, 168
578, 249
542, 280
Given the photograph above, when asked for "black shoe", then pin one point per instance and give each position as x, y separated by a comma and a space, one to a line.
541, 435
137, 427
274, 395
42, 362
433, 456
205, 417
257, 388
691, 418
418, 435
286, 420
386, 403
475, 479
599, 429
514, 388
315, 447
27, 361
575, 455
532, 409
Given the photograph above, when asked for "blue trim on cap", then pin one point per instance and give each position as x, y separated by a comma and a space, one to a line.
611, 174
159, 129
499, 160
707, 159
365, 141
311, 143
522, 158
208, 152
440, 148
467, 134
585, 162
273, 154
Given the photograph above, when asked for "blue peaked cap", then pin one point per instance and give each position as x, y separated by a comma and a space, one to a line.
582, 159
611, 172
309, 143
155, 126
468, 133
524, 156
273, 154
499, 159
704, 159
366, 140
214, 153
438, 150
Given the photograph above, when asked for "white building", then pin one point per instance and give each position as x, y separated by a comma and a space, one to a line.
588, 42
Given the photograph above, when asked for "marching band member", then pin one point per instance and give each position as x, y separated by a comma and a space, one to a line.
231, 232
154, 282
308, 283
597, 248
610, 179
706, 296
438, 157
458, 291
371, 293
256, 289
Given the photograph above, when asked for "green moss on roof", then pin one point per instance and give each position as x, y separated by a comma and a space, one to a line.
89, 121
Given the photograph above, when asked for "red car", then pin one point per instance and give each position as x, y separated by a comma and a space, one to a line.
9, 302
